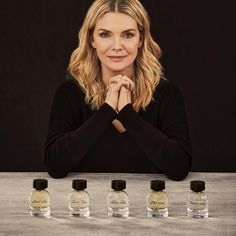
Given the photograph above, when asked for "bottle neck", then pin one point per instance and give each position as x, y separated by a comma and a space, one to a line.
197, 192
154, 191
76, 190
118, 191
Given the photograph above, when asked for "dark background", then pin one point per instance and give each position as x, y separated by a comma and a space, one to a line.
37, 38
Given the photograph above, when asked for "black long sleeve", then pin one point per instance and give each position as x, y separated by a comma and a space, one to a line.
156, 140
63, 141
168, 149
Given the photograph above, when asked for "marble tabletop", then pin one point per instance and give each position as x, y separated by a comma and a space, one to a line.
15, 218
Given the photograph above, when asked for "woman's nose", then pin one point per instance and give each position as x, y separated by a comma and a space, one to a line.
117, 44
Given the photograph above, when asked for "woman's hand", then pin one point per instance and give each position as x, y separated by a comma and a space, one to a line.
124, 98
113, 89
125, 94
118, 95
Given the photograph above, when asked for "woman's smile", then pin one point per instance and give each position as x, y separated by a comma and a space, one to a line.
117, 58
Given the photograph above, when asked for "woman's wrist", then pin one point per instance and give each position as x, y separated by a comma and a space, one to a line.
111, 106
127, 106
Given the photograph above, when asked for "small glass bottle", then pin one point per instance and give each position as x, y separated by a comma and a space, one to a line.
79, 199
157, 200
197, 203
118, 200
39, 199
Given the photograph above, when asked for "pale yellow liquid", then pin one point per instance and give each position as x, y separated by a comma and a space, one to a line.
157, 200
39, 202
157, 204
79, 203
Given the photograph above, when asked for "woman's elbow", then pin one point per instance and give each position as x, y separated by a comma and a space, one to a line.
54, 170
57, 174
180, 170
178, 175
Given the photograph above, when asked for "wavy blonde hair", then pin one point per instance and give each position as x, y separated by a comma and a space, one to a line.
85, 66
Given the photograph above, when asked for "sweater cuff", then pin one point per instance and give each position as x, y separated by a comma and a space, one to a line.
126, 111
106, 108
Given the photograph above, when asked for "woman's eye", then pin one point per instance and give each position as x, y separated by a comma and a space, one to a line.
104, 35
128, 35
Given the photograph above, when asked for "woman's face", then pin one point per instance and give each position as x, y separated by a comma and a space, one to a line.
116, 38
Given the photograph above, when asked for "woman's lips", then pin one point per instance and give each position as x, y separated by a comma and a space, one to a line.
117, 58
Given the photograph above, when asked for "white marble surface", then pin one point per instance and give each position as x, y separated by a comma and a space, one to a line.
15, 219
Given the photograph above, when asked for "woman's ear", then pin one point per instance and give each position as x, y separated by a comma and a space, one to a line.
93, 44
140, 42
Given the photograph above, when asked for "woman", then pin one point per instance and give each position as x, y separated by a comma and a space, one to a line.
115, 113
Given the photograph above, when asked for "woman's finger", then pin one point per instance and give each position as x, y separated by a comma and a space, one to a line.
128, 83
126, 78
115, 79
117, 86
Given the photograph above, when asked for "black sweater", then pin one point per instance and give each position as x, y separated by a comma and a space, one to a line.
155, 141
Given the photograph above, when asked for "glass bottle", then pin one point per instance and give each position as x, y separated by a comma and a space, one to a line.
197, 203
39, 199
118, 200
79, 199
157, 200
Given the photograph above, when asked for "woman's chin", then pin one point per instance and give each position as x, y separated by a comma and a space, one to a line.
117, 68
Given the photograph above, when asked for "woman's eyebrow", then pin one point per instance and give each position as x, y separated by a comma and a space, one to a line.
131, 29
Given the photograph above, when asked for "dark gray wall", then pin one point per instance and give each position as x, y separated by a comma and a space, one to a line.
37, 39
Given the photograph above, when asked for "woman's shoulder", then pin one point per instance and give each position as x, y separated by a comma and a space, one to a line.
166, 88
69, 86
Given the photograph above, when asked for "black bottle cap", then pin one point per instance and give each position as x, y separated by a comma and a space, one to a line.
197, 185
157, 185
79, 184
40, 184
118, 185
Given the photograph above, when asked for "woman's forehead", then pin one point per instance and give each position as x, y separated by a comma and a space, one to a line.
116, 20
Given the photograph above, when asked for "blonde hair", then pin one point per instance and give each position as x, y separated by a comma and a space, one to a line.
85, 66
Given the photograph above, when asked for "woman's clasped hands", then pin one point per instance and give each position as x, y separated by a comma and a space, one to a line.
119, 90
